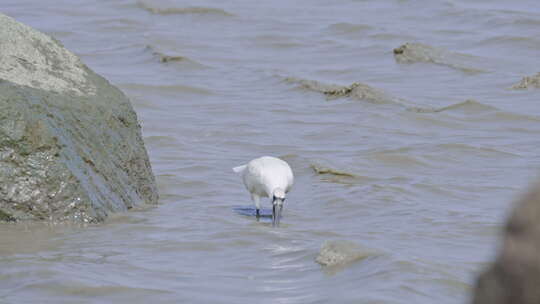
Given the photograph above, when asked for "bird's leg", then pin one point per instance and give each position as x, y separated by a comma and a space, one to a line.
257, 201
273, 214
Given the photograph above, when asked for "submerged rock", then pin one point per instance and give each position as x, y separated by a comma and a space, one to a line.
166, 58
321, 169
356, 90
359, 91
70, 144
514, 277
528, 82
418, 52
341, 253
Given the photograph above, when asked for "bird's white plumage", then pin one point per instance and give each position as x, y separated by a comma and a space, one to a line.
264, 175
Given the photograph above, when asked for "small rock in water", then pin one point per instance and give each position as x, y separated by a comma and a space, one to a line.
167, 58
528, 82
339, 253
418, 52
321, 169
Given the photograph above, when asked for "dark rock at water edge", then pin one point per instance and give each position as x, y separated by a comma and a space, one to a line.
514, 277
70, 144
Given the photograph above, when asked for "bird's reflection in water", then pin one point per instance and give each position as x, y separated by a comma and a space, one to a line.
265, 214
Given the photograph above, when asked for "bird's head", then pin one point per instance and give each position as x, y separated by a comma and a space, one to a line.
278, 197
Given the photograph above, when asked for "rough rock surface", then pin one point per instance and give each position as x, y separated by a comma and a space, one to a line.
341, 253
514, 277
70, 144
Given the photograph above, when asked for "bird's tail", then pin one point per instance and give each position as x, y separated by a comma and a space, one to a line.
239, 169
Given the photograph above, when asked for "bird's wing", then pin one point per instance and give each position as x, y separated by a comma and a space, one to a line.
255, 178
290, 180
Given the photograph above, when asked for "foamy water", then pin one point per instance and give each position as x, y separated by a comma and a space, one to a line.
414, 154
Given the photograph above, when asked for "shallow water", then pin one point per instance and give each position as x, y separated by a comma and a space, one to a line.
422, 173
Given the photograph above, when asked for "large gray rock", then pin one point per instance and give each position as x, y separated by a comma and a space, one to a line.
514, 277
70, 145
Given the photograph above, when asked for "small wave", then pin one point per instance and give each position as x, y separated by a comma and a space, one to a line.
360, 91
525, 42
120, 23
468, 106
176, 88
150, 7
278, 41
339, 253
509, 116
394, 158
391, 36
528, 82
103, 290
469, 149
418, 52
348, 28
356, 90
527, 22
478, 110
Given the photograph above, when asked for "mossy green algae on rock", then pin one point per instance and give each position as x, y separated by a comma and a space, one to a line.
70, 144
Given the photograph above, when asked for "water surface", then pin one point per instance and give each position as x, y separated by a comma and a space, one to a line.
424, 176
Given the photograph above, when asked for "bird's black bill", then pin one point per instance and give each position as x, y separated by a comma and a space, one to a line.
276, 214
273, 215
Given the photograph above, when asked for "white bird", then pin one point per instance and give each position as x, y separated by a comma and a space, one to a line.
267, 177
